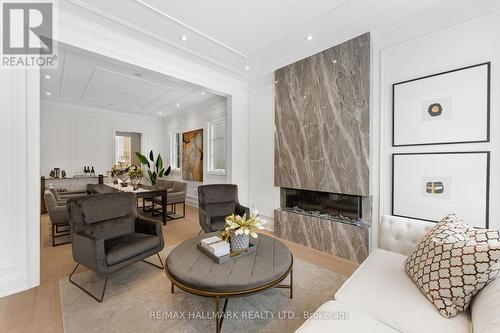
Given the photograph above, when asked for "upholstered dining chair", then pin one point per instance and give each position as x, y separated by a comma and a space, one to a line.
176, 195
59, 218
215, 202
109, 234
62, 198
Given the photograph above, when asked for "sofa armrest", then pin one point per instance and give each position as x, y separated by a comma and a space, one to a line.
148, 226
242, 210
89, 251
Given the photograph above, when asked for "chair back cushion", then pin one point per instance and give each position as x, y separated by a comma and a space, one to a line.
179, 186
165, 183
50, 200
218, 199
54, 192
104, 216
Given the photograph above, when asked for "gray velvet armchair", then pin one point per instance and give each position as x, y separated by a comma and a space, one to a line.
109, 234
215, 202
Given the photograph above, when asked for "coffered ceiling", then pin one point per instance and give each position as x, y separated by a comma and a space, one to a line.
88, 79
259, 36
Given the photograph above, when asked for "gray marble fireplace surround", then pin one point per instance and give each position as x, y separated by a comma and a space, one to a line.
322, 120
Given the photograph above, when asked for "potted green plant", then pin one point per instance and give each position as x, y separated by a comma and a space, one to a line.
154, 166
239, 229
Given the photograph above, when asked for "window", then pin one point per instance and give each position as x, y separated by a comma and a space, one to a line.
217, 145
176, 150
126, 144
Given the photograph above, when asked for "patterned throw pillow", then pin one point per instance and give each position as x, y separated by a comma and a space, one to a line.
453, 262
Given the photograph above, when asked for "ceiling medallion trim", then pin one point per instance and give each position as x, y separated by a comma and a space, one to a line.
152, 8
153, 35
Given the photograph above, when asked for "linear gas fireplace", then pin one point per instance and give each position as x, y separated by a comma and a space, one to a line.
330, 206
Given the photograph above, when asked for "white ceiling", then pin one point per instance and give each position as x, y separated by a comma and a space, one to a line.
88, 79
268, 34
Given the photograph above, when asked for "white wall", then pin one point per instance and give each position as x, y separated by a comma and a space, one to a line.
264, 196
192, 119
468, 43
74, 136
20, 197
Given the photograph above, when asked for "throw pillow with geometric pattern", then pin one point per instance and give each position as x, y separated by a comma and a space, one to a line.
453, 262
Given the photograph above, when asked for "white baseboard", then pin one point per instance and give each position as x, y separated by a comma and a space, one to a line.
269, 225
13, 284
192, 201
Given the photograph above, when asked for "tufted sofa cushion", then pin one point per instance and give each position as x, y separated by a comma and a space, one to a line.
401, 235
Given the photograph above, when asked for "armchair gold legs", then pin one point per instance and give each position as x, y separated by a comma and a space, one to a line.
99, 299
85, 290
161, 266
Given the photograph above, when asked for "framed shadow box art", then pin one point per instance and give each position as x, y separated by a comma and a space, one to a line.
445, 108
429, 186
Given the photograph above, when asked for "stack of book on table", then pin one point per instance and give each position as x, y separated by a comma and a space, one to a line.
216, 245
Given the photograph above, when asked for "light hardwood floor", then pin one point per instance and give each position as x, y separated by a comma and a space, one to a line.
39, 309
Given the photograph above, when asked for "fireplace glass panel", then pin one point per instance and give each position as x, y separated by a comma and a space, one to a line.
332, 206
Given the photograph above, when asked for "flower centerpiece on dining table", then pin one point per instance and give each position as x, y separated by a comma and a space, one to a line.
120, 171
135, 173
239, 229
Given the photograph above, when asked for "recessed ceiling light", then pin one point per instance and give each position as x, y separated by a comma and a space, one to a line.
247, 68
159, 112
47, 76
183, 38
48, 93
335, 61
178, 105
203, 93
309, 37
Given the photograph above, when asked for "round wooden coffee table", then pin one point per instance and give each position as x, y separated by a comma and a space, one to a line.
194, 272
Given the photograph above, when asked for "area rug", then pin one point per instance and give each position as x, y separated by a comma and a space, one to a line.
138, 299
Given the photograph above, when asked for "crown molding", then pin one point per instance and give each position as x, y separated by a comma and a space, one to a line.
172, 19
154, 36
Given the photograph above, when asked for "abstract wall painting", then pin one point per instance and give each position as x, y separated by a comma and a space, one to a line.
444, 108
428, 186
192, 158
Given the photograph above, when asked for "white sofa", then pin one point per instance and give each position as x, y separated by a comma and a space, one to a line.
381, 297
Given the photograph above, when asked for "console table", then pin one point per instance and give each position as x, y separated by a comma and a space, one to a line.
71, 185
